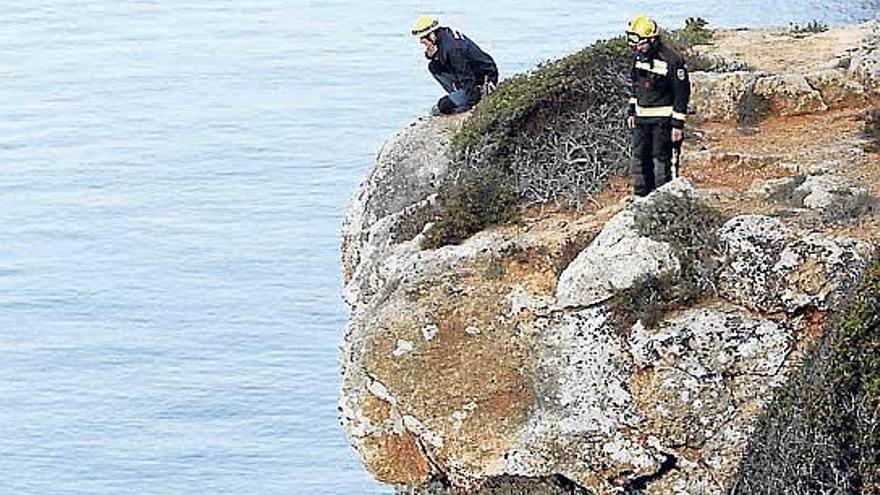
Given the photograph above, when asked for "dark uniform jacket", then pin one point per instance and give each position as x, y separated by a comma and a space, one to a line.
661, 87
465, 61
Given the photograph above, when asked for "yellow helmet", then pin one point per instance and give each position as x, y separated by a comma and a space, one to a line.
425, 25
643, 27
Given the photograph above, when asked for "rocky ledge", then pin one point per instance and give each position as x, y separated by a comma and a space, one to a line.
507, 364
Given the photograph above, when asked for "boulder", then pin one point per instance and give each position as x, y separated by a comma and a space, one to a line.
837, 88
620, 255
864, 63
822, 192
612, 411
770, 268
789, 94
779, 190
717, 96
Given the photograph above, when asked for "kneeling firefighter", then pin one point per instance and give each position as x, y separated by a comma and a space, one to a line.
661, 90
459, 65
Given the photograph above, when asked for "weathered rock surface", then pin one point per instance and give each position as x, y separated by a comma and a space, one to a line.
829, 77
406, 175
839, 88
618, 256
770, 268
389, 206
821, 192
463, 368
719, 96
789, 94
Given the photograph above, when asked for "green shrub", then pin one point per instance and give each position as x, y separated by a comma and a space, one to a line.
690, 228
694, 33
822, 432
518, 102
811, 27
559, 130
468, 204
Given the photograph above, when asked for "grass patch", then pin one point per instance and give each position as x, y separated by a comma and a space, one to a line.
690, 228
822, 432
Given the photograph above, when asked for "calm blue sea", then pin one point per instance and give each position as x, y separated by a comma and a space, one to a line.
173, 180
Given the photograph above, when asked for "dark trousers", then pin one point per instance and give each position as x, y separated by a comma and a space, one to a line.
651, 165
457, 99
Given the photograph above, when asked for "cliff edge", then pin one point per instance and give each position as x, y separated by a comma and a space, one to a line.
630, 345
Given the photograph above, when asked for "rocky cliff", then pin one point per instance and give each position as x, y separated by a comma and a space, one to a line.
632, 345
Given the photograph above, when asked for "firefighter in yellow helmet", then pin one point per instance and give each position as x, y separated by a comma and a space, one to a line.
658, 105
463, 70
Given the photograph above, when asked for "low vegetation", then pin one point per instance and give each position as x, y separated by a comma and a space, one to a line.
811, 27
554, 134
689, 227
472, 200
821, 435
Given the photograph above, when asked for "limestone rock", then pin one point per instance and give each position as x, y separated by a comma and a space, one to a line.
821, 192
838, 88
491, 364
789, 94
864, 65
701, 377
619, 255
717, 96
406, 174
779, 190
582, 423
768, 268
610, 410
816, 270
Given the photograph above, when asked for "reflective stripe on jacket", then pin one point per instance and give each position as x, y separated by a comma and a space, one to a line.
661, 86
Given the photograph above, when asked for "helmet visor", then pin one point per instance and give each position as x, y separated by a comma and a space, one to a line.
633, 38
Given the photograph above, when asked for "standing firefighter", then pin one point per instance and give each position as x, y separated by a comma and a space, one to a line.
658, 105
459, 65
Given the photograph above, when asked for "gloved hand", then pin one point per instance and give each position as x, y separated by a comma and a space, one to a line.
677, 135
